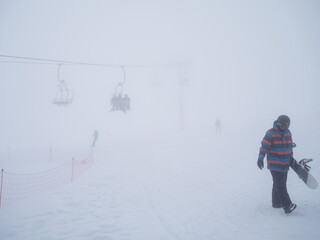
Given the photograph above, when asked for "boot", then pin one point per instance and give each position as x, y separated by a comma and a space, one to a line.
290, 208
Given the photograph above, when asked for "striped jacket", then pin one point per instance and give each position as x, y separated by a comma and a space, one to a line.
278, 147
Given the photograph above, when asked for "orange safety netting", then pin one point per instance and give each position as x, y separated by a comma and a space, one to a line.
18, 186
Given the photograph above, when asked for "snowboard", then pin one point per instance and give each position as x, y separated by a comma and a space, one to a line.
302, 169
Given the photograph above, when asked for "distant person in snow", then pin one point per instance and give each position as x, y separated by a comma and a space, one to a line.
277, 145
95, 136
126, 102
119, 104
218, 125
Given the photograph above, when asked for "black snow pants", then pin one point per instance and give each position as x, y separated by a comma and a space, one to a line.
280, 196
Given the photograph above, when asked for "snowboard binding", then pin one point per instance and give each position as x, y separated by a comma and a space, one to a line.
304, 162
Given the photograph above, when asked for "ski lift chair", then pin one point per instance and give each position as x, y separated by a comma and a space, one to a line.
62, 97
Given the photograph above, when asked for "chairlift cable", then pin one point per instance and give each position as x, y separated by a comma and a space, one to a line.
38, 63
55, 61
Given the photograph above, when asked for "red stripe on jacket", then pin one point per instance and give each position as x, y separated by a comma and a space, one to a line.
280, 153
277, 162
279, 135
282, 142
266, 141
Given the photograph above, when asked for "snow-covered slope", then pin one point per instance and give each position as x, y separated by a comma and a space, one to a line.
186, 186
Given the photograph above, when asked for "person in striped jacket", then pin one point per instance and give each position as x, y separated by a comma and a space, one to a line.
277, 145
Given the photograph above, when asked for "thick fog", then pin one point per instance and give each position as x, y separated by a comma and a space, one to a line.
161, 171
187, 64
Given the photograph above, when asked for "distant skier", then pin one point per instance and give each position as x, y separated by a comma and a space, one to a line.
218, 125
95, 136
277, 144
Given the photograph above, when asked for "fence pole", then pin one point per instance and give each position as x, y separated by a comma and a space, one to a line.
1, 186
72, 170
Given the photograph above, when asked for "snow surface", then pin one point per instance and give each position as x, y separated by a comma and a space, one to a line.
179, 186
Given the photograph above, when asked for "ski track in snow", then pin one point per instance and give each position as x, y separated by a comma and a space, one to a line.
176, 189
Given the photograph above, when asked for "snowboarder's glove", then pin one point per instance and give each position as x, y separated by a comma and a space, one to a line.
260, 163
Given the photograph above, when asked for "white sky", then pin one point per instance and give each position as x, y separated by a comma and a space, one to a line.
249, 61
